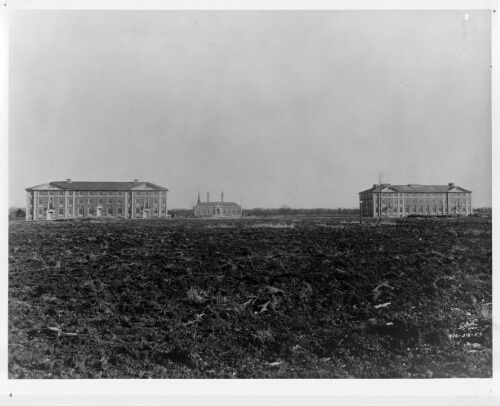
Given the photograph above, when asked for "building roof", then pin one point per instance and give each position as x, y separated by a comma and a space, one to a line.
211, 204
413, 188
64, 185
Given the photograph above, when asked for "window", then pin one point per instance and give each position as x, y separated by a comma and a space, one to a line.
100, 193
119, 210
70, 200
61, 211
155, 193
61, 200
109, 201
119, 193
163, 210
80, 193
99, 201
80, 211
90, 201
129, 210
136, 201
118, 201
40, 201
40, 211
155, 210
137, 210
155, 200
61, 193
110, 210
91, 193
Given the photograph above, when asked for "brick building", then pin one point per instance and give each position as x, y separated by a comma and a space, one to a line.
67, 199
404, 200
216, 209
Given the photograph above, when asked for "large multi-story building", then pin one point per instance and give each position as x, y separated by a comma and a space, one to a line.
388, 200
216, 209
67, 199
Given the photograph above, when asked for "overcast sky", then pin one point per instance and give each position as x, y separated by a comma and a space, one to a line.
302, 108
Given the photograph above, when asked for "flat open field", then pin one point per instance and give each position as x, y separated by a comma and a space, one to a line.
309, 298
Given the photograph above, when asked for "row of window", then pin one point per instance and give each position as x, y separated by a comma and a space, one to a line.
100, 201
91, 211
211, 211
385, 194
421, 209
394, 202
101, 193
420, 197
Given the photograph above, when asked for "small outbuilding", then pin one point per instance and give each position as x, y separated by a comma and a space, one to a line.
220, 209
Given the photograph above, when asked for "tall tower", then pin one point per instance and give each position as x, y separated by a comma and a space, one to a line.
198, 197
222, 196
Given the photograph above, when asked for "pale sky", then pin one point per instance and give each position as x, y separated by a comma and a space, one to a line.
302, 108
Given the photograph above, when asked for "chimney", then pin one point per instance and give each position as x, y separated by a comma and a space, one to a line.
222, 196
451, 184
375, 185
136, 180
208, 197
68, 180
198, 197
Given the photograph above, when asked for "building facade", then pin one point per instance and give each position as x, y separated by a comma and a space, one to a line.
388, 200
220, 209
67, 199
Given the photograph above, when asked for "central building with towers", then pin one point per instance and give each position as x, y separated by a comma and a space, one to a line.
220, 209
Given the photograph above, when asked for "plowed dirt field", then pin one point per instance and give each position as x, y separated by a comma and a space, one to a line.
303, 298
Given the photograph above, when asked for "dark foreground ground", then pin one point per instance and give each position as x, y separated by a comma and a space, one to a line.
309, 298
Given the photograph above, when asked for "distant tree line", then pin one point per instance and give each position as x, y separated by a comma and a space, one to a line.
16, 213
288, 211
181, 212
281, 211
483, 210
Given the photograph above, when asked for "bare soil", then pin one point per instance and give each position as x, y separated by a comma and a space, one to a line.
308, 298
